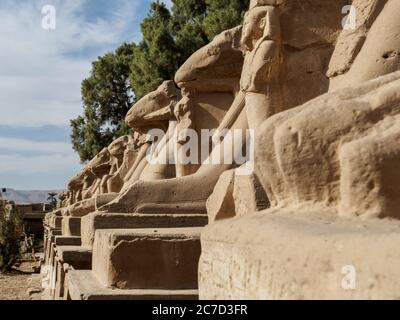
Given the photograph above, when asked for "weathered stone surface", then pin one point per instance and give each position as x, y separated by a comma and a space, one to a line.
147, 258
287, 46
55, 222
347, 159
102, 221
377, 55
323, 102
82, 208
76, 256
67, 241
211, 99
71, 226
220, 205
82, 285
352, 39
249, 195
333, 157
287, 254
236, 195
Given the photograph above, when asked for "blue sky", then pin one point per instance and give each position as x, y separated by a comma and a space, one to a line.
40, 75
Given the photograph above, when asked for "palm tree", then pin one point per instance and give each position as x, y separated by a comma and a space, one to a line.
52, 199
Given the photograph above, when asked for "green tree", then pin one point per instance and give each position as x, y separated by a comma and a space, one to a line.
169, 38
187, 27
223, 15
155, 58
107, 97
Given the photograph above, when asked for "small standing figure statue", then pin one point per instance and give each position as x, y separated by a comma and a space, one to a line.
261, 43
184, 114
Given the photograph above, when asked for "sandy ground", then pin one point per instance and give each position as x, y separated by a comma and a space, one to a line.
20, 284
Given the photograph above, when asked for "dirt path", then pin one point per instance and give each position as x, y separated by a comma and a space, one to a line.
20, 284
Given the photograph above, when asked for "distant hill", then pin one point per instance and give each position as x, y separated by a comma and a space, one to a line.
27, 197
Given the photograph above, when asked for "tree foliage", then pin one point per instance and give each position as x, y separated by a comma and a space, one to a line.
11, 235
107, 96
170, 36
155, 57
223, 15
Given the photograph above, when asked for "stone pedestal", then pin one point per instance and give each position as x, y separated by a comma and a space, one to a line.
67, 241
147, 258
49, 237
106, 221
71, 226
140, 264
82, 285
66, 250
69, 258
294, 255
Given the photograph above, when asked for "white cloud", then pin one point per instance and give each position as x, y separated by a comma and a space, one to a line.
27, 157
11, 144
41, 70
40, 76
36, 165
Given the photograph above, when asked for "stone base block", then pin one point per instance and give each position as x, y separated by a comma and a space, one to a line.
55, 222
105, 221
54, 233
67, 258
79, 258
147, 258
60, 281
50, 235
67, 241
294, 255
82, 285
71, 226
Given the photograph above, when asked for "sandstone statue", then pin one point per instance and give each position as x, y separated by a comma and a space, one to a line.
345, 140
329, 167
211, 99
346, 161
216, 103
321, 97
